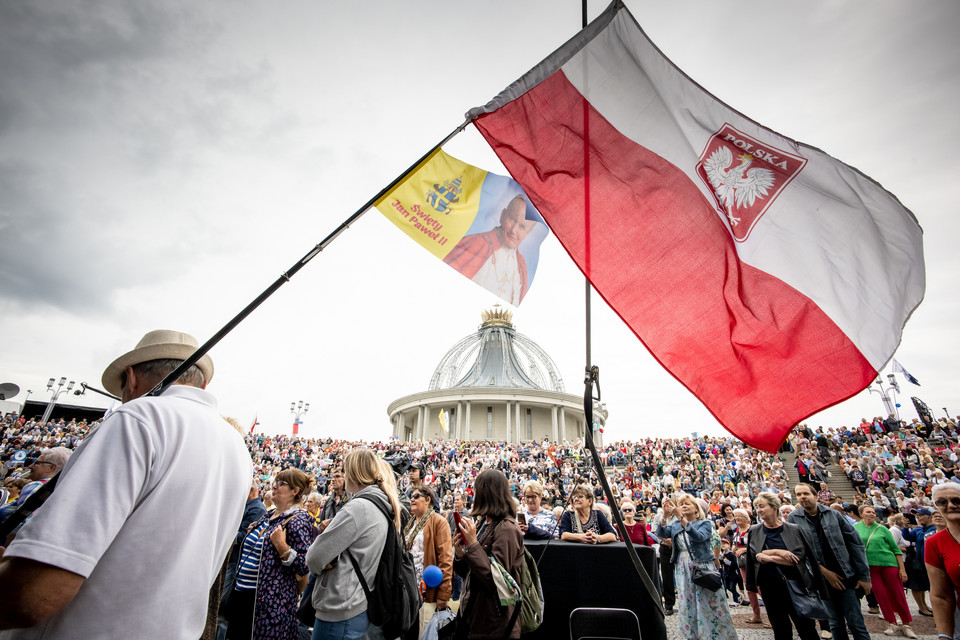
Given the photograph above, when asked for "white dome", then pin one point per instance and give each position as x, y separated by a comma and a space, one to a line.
496, 356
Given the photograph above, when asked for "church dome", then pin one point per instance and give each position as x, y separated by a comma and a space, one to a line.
496, 356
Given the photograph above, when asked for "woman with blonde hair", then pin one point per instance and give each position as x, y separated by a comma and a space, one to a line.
359, 533
537, 522
703, 612
778, 552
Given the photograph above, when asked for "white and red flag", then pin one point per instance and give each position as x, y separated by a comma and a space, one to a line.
769, 278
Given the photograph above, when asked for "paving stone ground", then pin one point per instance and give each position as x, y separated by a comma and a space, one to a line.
922, 625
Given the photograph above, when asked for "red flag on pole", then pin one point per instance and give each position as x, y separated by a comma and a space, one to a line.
769, 278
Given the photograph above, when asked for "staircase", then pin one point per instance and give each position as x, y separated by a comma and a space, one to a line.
837, 479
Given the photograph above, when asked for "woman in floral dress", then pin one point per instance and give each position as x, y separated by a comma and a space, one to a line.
702, 613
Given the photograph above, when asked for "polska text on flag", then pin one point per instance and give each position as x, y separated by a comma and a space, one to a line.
747, 263
481, 224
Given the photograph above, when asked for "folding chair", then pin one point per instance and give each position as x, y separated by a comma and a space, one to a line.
604, 624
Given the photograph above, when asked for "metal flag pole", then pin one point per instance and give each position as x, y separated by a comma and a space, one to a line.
289, 273
39, 496
593, 372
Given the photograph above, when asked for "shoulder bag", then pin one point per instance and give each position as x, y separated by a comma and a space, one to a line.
806, 603
706, 578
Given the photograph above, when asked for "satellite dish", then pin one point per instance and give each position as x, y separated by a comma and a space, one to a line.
8, 390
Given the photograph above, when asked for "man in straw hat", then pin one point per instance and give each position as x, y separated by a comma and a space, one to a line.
143, 515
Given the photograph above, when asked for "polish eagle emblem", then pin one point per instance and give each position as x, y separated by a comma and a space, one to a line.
737, 187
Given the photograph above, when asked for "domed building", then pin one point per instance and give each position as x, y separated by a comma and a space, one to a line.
494, 384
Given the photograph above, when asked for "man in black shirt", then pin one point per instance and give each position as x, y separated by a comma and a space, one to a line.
843, 561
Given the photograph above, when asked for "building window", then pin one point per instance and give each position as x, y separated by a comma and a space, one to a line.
489, 423
529, 425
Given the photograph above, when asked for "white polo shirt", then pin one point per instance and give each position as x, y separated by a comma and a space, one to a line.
146, 509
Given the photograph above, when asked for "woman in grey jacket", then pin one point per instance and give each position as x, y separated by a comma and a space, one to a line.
776, 552
359, 527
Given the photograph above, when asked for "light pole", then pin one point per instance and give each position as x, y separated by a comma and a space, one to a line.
298, 409
55, 393
892, 406
24, 407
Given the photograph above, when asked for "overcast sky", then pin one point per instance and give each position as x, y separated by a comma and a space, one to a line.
161, 163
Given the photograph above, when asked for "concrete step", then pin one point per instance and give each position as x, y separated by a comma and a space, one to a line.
839, 482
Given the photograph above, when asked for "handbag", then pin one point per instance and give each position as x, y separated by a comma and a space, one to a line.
807, 604
305, 611
442, 626
706, 578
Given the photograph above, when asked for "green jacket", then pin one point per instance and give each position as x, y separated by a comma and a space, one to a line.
882, 550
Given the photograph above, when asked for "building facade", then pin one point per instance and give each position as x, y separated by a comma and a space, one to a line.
494, 384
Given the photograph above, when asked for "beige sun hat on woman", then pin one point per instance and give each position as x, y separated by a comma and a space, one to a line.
160, 344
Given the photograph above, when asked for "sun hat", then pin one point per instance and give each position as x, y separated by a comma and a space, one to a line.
160, 344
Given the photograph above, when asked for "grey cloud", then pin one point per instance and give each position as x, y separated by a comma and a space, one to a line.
106, 111
60, 250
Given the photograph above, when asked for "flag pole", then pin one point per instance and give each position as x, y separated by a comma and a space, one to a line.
289, 273
586, 208
38, 497
593, 372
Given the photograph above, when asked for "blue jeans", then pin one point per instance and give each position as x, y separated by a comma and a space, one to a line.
457, 586
844, 609
352, 629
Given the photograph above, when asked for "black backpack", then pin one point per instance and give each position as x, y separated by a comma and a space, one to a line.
393, 603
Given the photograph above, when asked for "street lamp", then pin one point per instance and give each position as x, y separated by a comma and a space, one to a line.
298, 409
55, 393
23, 408
891, 406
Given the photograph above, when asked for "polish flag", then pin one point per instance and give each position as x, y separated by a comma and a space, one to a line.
769, 278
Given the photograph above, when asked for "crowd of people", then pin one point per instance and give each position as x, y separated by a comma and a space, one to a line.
892, 465
728, 526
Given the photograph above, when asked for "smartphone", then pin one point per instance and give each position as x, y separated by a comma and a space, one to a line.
522, 518
458, 519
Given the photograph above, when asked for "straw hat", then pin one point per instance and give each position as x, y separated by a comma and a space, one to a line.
160, 344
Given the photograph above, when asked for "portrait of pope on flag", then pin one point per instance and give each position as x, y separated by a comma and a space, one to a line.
480, 223
493, 258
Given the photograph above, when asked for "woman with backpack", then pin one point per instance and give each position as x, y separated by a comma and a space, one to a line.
360, 530
498, 536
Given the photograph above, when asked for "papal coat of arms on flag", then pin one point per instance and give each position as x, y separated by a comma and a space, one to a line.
444, 195
745, 176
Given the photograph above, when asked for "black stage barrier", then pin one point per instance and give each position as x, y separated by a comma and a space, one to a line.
574, 575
